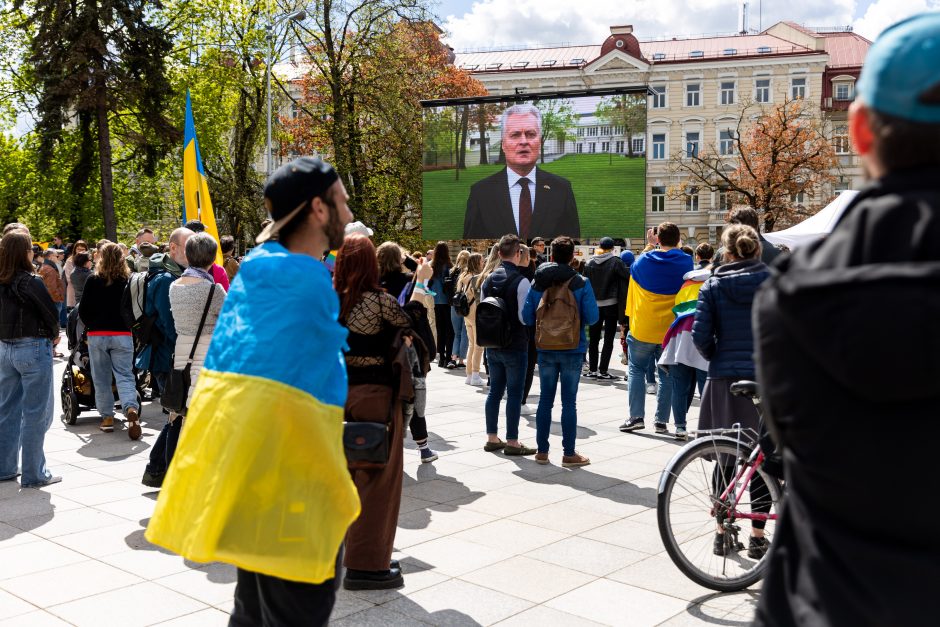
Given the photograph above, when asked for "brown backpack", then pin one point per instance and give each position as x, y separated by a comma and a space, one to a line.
557, 321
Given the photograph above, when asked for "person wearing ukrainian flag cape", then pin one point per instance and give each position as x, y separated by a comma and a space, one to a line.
655, 279
259, 479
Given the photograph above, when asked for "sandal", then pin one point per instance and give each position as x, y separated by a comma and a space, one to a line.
490, 447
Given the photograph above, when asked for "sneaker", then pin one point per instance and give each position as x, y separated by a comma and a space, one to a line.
651, 388
467, 381
660, 428
757, 547
50, 481
133, 423
107, 424
515, 451
681, 433
573, 461
428, 456
451, 364
529, 410
460, 364
633, 424
476, 380
541, 458
605, 376
721, 546
590, 374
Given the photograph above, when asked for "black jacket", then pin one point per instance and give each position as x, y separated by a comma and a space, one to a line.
395, 282
26, 309
504, 282
489, 208
100, 306
609, 278
846, 347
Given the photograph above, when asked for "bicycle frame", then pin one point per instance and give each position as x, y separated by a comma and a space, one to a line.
753, 462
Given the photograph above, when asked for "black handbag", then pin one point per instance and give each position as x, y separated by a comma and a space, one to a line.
366, 445
176, 390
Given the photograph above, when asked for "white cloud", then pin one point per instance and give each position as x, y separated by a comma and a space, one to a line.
510, 22
883, 13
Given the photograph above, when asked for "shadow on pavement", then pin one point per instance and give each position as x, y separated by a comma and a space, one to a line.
421, 518
701, 610
592, 483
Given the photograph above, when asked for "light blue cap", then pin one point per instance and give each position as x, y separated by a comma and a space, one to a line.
902, 64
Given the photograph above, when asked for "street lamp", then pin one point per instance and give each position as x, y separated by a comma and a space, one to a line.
295, 16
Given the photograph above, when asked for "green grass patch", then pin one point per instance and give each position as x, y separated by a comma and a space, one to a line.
610, 192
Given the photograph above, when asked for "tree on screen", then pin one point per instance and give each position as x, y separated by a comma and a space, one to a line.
558, 120
627, 111
767, 159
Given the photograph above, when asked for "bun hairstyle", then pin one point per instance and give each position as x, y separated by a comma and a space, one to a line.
741, 241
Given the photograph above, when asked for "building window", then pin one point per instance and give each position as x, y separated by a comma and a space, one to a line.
692, 140
762, 90
294, 110
592, 131
618, 130
691, 199
841, 185
658, 99
619, 146
580, 131
605, 130
605, 146
659, 146
726, 142
580, 148
658, 195
798, 198
797, 88
693, 94
845, 91
727, 92
639, 146
840, 140
592, 147
724, 199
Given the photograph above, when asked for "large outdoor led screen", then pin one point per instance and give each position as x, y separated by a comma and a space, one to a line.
551, 166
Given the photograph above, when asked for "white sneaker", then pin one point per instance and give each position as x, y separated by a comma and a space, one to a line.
476, 380
469, 377
651, 388
528, 410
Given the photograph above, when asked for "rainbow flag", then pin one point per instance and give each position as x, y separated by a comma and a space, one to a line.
196, 202
259, 478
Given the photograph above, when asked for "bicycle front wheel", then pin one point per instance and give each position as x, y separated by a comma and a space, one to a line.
690, 510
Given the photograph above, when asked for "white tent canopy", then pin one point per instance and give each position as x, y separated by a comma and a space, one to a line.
815, 226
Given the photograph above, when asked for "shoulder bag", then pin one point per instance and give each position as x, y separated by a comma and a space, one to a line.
176, 391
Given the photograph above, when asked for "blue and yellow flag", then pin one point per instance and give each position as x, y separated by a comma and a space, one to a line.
196, 202
655, 279
259, 478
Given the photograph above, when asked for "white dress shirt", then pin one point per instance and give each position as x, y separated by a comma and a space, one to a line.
515, 190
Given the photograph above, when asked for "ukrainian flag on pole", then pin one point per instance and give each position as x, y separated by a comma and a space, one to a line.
196, 202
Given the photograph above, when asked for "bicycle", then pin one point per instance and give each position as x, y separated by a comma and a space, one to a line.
709, 487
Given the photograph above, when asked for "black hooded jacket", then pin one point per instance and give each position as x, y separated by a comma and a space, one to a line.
848, 354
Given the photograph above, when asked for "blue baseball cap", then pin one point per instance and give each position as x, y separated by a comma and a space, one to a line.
901, 67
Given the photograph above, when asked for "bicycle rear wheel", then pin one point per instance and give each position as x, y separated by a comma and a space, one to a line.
689, 511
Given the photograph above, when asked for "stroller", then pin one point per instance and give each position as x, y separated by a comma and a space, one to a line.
78, 389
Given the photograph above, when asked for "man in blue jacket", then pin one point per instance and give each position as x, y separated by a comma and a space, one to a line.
560, 364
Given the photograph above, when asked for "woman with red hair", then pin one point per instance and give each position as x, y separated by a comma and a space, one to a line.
377, 327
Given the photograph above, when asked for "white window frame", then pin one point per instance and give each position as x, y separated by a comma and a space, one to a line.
689, 93
580, 148
723, 149
664, 144
804, 87
605, 146
658, 199
698, 143
592, 147
580, 131
850, 91
722, 92
692, 199
769, 88
841, 144
638, 144
663, 95
592, 131
724, 201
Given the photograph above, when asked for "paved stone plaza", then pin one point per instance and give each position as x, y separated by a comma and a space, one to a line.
483, 539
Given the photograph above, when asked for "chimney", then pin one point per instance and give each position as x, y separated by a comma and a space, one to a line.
742, 17
621, 30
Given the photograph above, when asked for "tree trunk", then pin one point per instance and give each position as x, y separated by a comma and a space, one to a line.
481, 122
456, 158
107, 188
464, 131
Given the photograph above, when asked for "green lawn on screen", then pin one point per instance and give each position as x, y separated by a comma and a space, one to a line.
611, 195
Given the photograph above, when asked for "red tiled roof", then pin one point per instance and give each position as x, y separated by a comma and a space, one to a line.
846, 49
531, 58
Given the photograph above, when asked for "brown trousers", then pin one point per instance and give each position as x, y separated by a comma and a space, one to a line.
370, 540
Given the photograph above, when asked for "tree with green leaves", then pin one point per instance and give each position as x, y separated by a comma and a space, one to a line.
626, 111
558, 122
99, 66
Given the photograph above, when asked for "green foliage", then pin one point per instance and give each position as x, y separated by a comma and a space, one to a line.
626, 110
558, 120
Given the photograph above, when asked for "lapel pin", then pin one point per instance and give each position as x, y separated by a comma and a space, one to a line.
546, 187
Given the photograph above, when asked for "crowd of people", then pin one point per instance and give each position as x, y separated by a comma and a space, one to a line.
288, 471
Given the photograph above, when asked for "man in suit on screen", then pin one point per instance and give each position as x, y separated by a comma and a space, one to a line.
521, 199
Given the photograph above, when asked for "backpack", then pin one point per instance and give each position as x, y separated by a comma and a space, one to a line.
133, 310
462, 302
450, 284
557, 321
493, 320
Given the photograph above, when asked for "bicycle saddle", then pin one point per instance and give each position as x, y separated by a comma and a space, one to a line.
749, 389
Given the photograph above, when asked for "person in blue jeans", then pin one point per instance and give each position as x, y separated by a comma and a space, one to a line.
560, 365
29, 328
110, 344
507, 364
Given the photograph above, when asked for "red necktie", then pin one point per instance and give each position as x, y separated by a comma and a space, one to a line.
525, 209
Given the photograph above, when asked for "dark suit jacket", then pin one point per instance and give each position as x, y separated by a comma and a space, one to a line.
489, 208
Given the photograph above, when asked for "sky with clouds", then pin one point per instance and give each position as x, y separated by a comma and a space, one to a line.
486, 23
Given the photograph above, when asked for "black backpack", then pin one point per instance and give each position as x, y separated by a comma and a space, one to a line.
493, 321
462, 302
450, 285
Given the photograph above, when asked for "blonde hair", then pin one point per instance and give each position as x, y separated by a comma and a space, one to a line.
461, 261
389, 257
110, 265
473, 267
741, 241
492, 262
